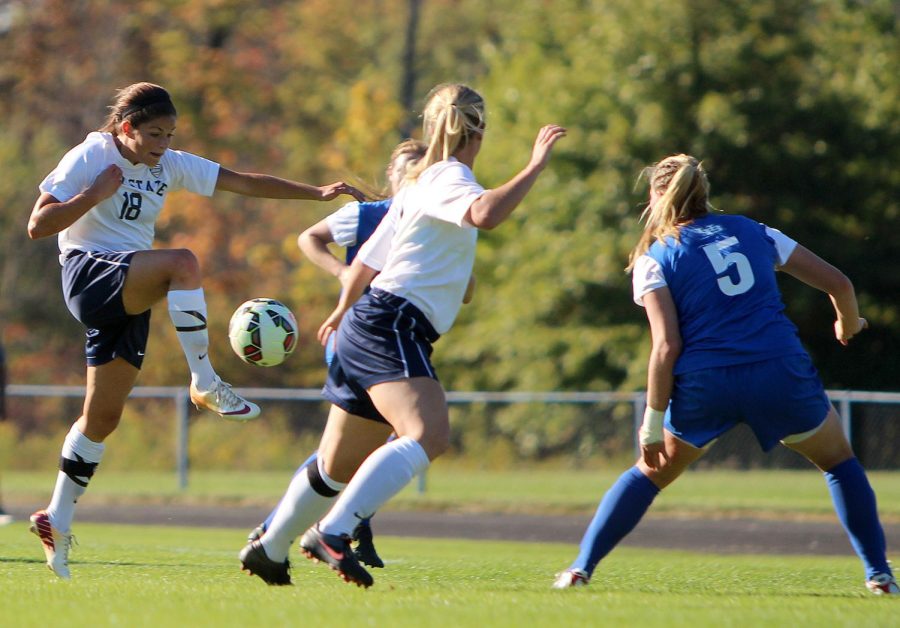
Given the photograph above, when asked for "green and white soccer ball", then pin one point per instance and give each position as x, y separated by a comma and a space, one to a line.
263, 332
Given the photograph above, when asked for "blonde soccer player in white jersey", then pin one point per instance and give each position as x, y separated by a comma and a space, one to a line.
418, 263
102, 201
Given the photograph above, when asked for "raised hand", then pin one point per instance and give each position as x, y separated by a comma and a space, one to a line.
543, 144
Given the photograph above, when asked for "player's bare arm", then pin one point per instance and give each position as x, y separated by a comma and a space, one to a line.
357, 278
666, 348
817, 273
494, 206
314, 244
50, 216
267, 186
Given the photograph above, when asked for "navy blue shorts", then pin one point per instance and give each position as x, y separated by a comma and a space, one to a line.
382, 338
776, 398
92, 286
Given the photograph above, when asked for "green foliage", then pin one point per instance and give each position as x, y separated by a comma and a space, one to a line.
789, 104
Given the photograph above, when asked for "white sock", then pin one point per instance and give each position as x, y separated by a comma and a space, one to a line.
187, 308
77, 449
301, 506
381, 476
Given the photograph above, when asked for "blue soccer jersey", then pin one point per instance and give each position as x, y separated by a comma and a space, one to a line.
722, 278
355, 222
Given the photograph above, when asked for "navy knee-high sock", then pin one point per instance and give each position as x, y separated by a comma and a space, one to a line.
854, 502
619, 512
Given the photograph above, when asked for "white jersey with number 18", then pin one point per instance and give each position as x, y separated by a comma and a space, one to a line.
126, 220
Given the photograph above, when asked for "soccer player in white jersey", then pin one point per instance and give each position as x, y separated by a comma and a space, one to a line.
350, 226
418, 263
723, 352
103, 200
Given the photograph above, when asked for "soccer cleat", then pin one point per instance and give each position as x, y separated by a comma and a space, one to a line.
257, 532
222, 400
336, 553
883, 584
571, 578
56, 544
365, 546
255, 562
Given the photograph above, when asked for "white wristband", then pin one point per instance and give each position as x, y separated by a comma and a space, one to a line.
652, 428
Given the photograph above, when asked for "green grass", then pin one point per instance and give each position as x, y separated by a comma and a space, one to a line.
162, 576
451, 487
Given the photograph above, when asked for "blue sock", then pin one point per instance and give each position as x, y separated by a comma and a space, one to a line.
854, 502
619, 512
268, 520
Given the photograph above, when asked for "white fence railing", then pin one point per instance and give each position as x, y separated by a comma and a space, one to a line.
843, 399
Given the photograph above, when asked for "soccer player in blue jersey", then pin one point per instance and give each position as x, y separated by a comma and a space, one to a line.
724, 352
350, 226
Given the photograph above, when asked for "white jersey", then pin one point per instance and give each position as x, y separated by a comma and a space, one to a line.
424, 248
126, 220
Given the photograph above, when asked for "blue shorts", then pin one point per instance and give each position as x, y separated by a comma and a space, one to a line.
776, 398
382, 338
92, 286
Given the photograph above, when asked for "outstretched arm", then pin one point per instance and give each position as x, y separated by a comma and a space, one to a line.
816, 272
267, 186
495, 206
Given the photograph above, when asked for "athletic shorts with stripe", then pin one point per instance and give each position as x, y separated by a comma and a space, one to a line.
776, 398
92, 286
382, 338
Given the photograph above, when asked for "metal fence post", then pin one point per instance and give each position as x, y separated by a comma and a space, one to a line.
639, 402
845, 417
182, 409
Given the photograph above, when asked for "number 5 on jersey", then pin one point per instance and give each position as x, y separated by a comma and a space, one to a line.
721, 261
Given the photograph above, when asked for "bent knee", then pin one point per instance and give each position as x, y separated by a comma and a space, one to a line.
435, 444
184, 265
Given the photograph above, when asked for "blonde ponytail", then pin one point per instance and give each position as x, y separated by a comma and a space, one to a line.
454, 113
682, 191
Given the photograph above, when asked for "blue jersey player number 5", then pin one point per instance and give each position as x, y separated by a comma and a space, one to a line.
722, 262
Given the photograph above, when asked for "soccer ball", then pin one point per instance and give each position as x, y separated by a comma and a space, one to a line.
263, 332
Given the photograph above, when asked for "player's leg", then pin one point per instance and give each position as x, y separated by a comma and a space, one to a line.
623, 506
259, 530
417, 410
853, 498
346, 442
175, 274
107, 389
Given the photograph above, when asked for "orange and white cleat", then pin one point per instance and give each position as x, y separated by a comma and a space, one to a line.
222, 400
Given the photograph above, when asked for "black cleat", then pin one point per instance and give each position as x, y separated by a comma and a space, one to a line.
365, 546
336, 553
255, 562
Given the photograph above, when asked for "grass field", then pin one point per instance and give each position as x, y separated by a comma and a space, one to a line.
155, 576
152, 576
790, 494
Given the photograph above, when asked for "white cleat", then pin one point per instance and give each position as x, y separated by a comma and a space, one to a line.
222, 400
571, 578
56, 544
883, 584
